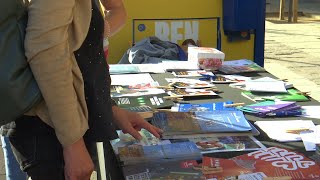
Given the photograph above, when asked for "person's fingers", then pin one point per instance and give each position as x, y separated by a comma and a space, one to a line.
152, 129
134, 133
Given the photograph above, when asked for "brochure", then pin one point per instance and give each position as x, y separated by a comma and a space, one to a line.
135, 90
188, 107
189, 83
194, 73
191, 92
174, 123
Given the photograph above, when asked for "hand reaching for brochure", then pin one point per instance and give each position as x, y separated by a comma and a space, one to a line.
132, 123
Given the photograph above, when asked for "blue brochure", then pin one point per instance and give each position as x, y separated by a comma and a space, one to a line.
187, 107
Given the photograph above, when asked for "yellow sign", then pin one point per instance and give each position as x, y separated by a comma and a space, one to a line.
177, 21
177, 30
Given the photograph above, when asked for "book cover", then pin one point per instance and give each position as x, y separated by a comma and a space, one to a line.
188, 107
253, 132
201, 122
291, 95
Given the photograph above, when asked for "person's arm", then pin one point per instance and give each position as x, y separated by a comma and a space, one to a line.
115, 17
52, 63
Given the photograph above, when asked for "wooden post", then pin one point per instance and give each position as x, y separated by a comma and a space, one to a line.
295, 10
281, 12
290, 11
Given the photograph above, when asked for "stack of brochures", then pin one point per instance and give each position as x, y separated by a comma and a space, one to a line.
291, 95
273, 109
191, 124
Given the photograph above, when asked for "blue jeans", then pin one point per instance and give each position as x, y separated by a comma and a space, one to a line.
13, 171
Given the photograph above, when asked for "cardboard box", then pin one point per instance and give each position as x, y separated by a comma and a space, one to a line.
206, 58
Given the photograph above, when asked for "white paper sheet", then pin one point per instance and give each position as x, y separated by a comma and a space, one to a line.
131, 79
277, 129
311, 138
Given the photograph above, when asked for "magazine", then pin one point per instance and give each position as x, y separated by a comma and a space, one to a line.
134, 154
188, 107
175, 123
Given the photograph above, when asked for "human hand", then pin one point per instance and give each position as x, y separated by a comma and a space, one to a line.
131, 122
78, 163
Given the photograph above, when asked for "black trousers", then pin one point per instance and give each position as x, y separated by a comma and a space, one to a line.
40, 154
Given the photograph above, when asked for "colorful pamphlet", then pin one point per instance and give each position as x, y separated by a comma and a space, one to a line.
273, 108
240, 66
177, 92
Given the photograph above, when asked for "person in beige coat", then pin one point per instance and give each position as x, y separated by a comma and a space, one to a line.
63, 45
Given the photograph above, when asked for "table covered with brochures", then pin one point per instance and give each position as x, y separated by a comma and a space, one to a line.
234, 95
227, 93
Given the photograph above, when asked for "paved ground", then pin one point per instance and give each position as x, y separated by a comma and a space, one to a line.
292, 51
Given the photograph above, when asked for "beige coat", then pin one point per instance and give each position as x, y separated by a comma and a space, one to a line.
55, 30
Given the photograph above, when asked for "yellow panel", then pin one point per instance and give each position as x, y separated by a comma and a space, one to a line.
179, 10
238, 50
